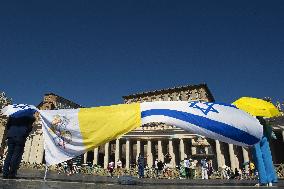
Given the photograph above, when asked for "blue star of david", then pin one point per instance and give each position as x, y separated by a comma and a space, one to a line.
204, 110
22, 106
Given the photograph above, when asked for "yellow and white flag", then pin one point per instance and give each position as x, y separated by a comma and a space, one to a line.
71, 132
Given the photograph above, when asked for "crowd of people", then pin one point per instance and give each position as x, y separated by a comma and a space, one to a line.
187, 169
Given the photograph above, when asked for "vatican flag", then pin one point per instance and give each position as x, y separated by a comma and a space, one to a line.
72, 132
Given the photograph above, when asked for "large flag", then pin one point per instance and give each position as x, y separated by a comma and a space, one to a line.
71, 132
218, 121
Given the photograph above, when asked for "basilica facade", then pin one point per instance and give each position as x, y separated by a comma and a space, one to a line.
157, 140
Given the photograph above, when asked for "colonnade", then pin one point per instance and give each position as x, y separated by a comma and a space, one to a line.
177, 148
152, 148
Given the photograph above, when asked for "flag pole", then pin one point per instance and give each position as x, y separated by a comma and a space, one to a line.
46, 169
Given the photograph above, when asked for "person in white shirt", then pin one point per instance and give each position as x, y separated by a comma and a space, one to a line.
204, 168
110, 168
119, 168
186, 168
156, 167
168, 169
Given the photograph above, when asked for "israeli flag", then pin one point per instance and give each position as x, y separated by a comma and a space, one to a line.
217, 121
19, 110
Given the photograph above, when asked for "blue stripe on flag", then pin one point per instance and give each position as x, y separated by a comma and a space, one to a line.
22, 113
205, 123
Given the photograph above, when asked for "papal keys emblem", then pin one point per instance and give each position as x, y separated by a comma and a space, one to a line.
58, 127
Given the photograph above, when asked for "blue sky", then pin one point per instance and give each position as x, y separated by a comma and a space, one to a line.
95, 52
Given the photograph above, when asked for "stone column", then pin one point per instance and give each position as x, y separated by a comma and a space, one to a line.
36, 153
181, 149
237, 162
41, 150
85, 157
116, 152
106, 157
138, 149
160, 151
149, 153
96, 153
206, 150
232, 156
31, 148
171, 152
27, 150
127, 154
218, 153
193, 148
246, 157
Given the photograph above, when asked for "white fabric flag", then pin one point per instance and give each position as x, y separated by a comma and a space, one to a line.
218, 121
71, 132
19, 110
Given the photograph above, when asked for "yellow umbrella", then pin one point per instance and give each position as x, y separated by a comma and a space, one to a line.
257, 107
